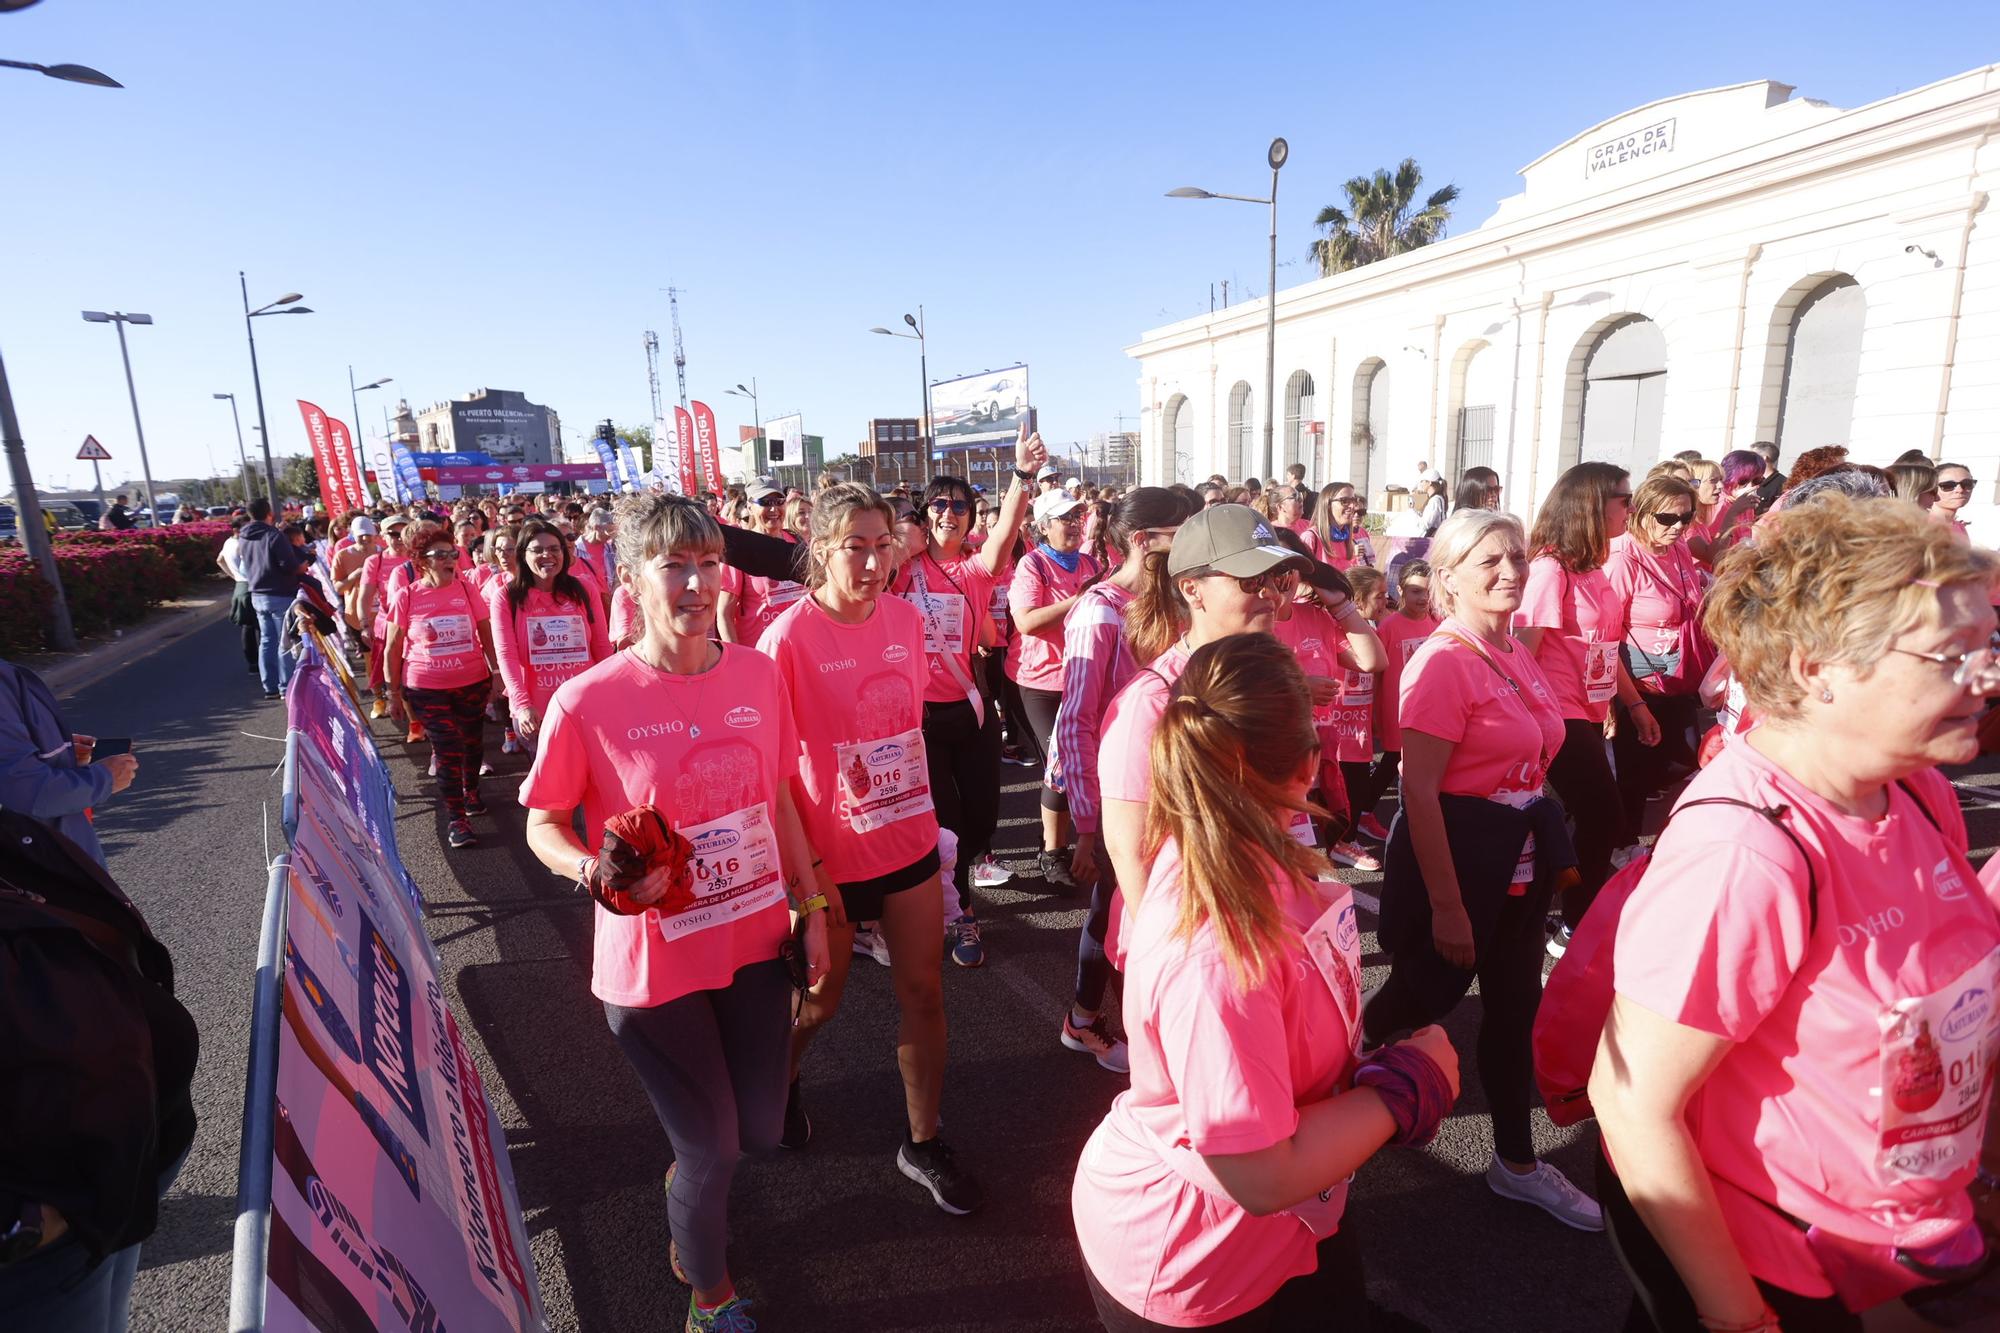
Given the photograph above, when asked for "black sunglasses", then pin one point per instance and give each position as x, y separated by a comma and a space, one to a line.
1965, 485
1673, 520
770, 500
954, 506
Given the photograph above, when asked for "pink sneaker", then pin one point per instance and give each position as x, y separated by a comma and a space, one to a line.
1354, 854
1371, 827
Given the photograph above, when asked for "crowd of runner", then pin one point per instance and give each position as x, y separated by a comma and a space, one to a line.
767, 732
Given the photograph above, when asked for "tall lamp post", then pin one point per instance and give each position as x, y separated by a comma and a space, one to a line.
284, 305
354, 397
67, 73
120, 320
242, 459
1276, 157
916, 323
756, 419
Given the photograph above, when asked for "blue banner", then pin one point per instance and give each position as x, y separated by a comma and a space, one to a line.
454, 460
631, 465
608, 458
408, 481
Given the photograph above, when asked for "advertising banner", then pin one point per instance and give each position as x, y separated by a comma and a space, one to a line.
786, 435
393, 1203
384, 470
353, 489
708, 449
464, 459
666, 462
518, 472
408, 479
330, 493
684, 452
607, 459
987, 408
631, 463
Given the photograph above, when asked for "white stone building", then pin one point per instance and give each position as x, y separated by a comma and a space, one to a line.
1700, 273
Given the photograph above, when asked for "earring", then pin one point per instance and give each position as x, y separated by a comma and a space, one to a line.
1825, 696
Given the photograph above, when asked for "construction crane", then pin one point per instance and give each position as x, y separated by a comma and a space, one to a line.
680, 355
653, 369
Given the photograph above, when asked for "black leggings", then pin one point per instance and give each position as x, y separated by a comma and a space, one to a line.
1422, 988
1093, 965
1660, 1300
1581, 775
1380, 779
1642, 769
963, 758
1001, 687
1041, 707
1331, 1297
1357, 778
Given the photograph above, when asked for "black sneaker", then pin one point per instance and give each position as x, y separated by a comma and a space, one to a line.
475, 804
798, 1130
1011, 755
932, 1165
1054, 867
459, 834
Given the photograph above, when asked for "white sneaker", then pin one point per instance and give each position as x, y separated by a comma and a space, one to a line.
868, 940
1096, 1040
1547, 1189
989, 874
1623, 856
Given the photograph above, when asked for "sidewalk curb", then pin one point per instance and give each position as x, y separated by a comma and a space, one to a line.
70, 672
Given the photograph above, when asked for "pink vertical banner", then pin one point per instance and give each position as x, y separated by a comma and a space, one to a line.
707, 446
330, 490
354, 490
684, 451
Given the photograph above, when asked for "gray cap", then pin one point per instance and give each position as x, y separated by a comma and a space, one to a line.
759, 493
1228, 539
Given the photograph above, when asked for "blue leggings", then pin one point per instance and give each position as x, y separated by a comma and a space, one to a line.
715, 1064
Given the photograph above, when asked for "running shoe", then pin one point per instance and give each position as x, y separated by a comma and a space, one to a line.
1354, 854
1558, 944
1054, 868
988, 873
485, 768
1549, 1190
732, 1316
510, 743
932, 1165
434, 764
966, 950
459, 833
379, 709
1010, 755
868, 940
673, 1248
414, 735
798, 1130
492, 710
1370, 827
1095, 1039
475, 804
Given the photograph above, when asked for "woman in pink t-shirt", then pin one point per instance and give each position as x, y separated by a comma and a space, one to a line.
852, 662
548, 625
1402, 633
1804, 1013
1215, 1189
440, 668
694, 739
1573, 620
1465, 890
1329, 537
752, 602
372, 603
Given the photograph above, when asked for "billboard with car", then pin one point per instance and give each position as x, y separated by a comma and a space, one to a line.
986, 408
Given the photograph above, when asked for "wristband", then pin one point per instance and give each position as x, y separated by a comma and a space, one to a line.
816, 903
1413, 1090
583, 865
1024, 476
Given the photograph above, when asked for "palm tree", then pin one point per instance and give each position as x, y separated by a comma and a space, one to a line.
1379, 220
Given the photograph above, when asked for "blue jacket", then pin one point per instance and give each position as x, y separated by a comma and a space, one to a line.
268, 561
39, 775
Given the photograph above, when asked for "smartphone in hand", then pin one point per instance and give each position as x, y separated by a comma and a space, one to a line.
109, 745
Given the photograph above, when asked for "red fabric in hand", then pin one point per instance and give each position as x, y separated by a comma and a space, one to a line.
638, 844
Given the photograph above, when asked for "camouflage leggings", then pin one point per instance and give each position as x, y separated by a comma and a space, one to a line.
455, 722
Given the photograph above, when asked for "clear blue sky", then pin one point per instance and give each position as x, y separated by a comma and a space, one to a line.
494, 193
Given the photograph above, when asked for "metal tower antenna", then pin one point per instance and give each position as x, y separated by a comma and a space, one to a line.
653, 369
680, 355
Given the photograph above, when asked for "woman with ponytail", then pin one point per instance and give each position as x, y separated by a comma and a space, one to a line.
1096, 664
1213, 1192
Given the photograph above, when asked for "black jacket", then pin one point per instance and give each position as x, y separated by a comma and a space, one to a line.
96, 1055
1486, 839
268, 561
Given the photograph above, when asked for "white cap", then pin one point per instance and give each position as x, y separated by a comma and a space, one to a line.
362, 526
1074, 483
1048, 471
1056, 504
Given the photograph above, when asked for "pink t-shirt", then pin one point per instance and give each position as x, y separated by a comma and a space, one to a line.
441, 648
1662, 594
1125, 754
1000, 605
759, 600
856, 692
1040, 581
1401, 637
1585, 620
1503, 732
623, 735
952, 596
1216, 1070
544, 643
385, 573
624, 614
1854, 1093
1317, 640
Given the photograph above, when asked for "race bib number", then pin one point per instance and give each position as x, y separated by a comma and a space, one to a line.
1600, 671
884, 780
783, 595
1410, 647
1935, 1054
558, 641
944, 622
1357, 688
735, 872
448, 634
1301, 829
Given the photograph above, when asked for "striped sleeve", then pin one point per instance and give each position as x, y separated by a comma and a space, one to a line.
1092, 636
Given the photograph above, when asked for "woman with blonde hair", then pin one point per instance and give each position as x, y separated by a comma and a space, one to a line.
1213, 1192
1792, 1081
1915, 482
1665, 650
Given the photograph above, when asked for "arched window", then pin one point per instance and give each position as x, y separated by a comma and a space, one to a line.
1368, 433
1475, 399
1241, 423
1297, 446
1176, 438
1623, 373
1822, 364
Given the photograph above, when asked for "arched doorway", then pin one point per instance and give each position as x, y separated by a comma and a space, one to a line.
1297, 445
1368, 433
1624, 374
1237, 447
1475, 399
1176, 439
1822, 366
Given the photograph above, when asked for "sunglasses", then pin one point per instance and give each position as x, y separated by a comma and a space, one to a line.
1965, 485
770, 502
951, 507
1284, 582
1626, 496
442, 553
1673, 520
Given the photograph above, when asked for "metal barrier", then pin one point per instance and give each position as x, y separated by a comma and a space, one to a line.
260, 1094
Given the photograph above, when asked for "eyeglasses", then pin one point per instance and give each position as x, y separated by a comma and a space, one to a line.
1973, 668
1965, 485
958, 507
1284, 582
1673, 520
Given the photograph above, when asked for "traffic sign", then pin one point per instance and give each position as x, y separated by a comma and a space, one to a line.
93, 451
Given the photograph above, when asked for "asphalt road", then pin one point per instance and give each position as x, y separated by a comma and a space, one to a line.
830, 1238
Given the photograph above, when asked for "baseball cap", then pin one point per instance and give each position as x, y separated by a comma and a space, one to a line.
1073, 484
1228, 539
362, 526
396, 521
1047, 472
1055, 504
759, 493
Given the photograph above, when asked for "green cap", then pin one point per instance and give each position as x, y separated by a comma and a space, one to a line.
1228, 539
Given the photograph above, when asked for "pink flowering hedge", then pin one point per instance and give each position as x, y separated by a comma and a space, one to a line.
109, 578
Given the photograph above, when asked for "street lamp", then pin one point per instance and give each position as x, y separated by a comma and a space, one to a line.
1276, 157
67, 73
242, 459
354, 397
120, 319
284, 305
916, 322
756, 419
